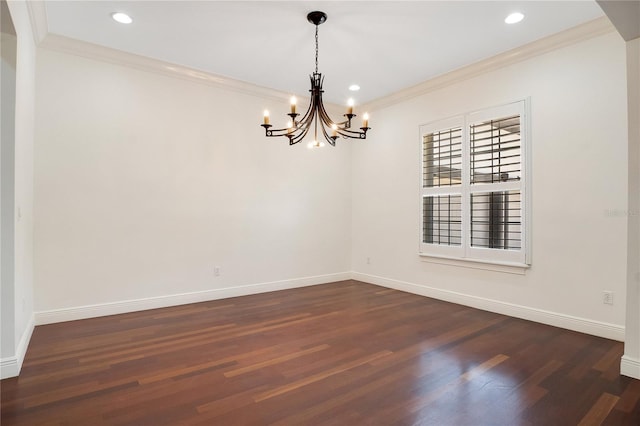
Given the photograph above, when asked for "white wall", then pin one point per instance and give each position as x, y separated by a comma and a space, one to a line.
144, 183
25, 93
630, 365
8, 92
579, 137
23, 189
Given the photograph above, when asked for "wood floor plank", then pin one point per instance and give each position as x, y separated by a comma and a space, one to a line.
319, 376
125, 345
421, 401
179, 372
612, 356
344, 398
336, 354
273, 361
600, 410
630, 397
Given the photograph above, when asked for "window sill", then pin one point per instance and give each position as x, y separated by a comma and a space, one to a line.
506, 267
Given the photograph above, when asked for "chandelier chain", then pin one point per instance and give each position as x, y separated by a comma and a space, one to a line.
316, 49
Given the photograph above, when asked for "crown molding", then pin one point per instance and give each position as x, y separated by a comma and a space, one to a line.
45, 39
37, 11
568, 37
101, 53
38, 16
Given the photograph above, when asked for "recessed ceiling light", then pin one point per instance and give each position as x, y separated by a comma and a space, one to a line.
121, 17
354, 87
514, 18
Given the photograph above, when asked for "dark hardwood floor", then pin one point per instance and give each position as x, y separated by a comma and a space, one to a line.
346, 353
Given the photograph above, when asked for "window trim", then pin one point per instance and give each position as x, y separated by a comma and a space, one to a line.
478, 257
496, 266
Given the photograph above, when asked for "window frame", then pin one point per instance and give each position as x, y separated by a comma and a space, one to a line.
466, 252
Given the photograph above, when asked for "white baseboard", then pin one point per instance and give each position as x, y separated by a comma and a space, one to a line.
11, 366
630, 367
125, 306
583, 325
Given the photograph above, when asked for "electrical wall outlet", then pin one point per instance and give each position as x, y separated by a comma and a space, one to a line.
607, 297
216, 271
368, 261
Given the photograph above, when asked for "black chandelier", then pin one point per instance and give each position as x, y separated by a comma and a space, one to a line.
316, 114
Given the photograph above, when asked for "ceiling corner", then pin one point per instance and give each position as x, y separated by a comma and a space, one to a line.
624, 15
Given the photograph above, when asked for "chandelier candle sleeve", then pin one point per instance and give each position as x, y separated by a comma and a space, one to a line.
316, 116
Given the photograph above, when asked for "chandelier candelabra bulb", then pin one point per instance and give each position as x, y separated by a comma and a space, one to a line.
293, 104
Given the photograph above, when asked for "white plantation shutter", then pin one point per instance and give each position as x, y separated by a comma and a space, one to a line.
442, 169
473, 189
442, 215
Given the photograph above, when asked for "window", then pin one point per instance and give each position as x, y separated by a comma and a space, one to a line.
473, 189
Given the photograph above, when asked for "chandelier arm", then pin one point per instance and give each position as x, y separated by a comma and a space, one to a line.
306, 121
277, 132
353, 134
298, 134
310, 108
326, 119
297, 138
280, 132
309, 114
342, 131
348, 131
270, 133
306, 117
328, 138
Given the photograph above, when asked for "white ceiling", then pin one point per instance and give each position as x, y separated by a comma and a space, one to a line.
383, 46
